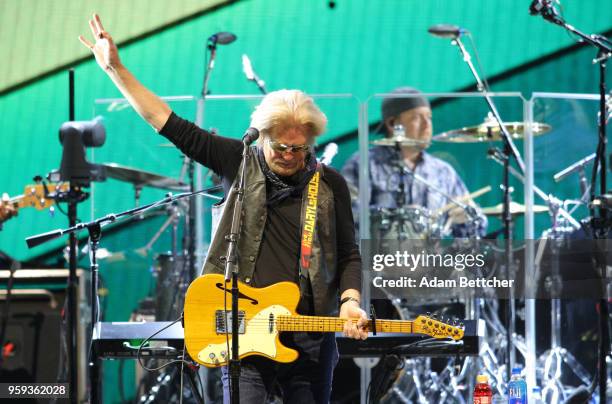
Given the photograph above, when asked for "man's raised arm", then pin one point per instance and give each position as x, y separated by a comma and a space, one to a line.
148, 105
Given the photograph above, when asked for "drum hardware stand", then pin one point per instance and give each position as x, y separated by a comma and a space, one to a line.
400, 197
578, 166
600, 224
95, 233
551, 360
496, 155
174, 212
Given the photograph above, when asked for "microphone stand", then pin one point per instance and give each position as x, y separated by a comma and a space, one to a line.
231, 269
95, 233
509, 151
599, 224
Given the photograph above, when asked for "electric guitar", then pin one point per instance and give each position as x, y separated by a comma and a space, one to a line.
263, 313
37, 196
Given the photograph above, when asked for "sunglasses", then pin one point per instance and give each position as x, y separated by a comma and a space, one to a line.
287, 148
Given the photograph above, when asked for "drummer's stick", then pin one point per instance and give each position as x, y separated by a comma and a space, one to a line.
464, 198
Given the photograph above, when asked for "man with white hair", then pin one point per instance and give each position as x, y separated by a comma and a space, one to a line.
279, 169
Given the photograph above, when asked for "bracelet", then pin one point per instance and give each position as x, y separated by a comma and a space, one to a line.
349, 299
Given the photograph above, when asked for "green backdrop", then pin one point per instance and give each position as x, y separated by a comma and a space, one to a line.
360, 47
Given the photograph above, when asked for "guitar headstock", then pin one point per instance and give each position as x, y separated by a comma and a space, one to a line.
436, 328
34, 195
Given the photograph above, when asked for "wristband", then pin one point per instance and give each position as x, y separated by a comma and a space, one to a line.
349, 299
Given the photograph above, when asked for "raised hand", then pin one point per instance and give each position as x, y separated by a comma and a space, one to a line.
104, 49
6, 209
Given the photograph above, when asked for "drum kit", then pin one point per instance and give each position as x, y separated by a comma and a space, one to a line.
421, 379
170, 268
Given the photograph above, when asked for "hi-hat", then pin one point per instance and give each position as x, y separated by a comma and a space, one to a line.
489, 131
141, 178
515, 209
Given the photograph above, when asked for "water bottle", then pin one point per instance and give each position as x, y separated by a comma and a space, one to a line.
537, 395
517, 388
482, 392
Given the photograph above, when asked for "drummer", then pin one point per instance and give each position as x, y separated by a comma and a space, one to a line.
413, 114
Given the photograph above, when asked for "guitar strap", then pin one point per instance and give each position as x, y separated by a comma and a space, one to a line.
309, 222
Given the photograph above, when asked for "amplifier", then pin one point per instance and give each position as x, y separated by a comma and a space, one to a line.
34, 331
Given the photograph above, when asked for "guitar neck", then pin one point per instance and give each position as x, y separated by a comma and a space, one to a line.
335, 324
17, 201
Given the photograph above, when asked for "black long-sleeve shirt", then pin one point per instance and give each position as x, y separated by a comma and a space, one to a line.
279, 252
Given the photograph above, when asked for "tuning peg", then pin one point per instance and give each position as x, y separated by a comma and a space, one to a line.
461, 325
428, 313
455, 320
434, 316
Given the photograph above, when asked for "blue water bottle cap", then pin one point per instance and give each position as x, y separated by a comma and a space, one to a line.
516, 370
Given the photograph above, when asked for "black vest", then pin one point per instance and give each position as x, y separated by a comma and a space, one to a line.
322, 274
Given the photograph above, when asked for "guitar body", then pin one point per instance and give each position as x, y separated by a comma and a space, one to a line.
205, 338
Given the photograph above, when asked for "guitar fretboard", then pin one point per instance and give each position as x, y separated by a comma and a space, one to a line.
335, 324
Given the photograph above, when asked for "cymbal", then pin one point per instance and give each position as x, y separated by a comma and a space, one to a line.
142, 178
489, 131
515, 209
400, 141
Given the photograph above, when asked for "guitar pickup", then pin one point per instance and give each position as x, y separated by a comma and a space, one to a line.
223, 324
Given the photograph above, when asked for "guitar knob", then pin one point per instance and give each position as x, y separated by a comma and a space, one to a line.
223, 353
211, 355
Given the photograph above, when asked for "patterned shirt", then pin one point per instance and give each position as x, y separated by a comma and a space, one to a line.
385, 186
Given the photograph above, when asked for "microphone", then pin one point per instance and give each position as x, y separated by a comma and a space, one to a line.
579, 165
250, 74
447, 31
546, 9
536, 7
328, 153
250, 136
221, 38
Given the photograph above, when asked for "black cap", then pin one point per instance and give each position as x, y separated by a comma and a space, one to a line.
394, 106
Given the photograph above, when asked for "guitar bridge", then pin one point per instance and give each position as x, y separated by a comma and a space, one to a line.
223, 324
